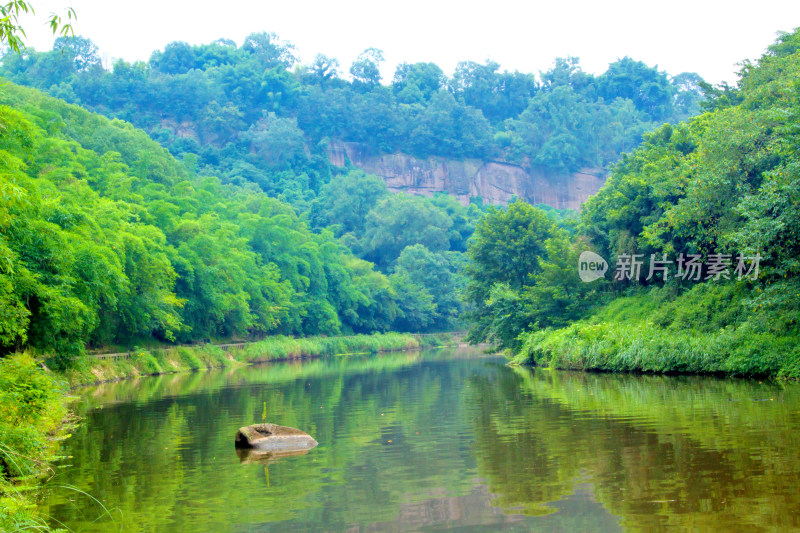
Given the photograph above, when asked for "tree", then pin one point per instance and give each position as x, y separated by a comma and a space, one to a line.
82, 52
554, 130
464, 219
177, 58
269, 50
506, 253
401, 220
567, 72
323, 69
276, 141
433, 272
647, 87
417, 309
451, 128
688, 90
366, 69
417, 82
498, 95
557, 296
346, 200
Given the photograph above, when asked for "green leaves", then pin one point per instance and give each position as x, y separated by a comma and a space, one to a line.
401, 220
124, 247
505, 256
727, 181
724, 182
345, 201
10, 31
14, 317
13, 35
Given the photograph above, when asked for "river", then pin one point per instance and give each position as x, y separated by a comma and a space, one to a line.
447, 439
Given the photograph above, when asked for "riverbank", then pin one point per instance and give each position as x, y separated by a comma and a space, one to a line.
706, 330
34, 416
33, 420
174, 360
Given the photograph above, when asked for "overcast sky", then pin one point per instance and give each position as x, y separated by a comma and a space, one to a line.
707, 37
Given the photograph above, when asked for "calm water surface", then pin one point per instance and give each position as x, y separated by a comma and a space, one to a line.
432, 441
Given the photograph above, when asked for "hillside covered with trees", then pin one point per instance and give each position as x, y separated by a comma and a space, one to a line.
252, 113
723, 187
108, 240
243, 228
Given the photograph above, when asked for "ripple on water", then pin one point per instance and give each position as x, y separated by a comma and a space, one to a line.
435, 440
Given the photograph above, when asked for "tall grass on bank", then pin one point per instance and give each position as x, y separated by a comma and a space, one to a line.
707, 330
619, 347
288, 347
32, 414
89, 370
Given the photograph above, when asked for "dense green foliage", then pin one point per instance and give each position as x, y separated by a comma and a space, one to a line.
176, 256
32, 408
251, 113
726, 182
706, 330
521, 275
419, 241
106, 239
240, 228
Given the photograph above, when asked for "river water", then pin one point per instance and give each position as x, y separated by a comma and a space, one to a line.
431, 441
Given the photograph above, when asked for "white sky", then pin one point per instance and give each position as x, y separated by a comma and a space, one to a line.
707, 37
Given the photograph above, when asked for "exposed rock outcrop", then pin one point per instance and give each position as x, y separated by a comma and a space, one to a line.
495, 182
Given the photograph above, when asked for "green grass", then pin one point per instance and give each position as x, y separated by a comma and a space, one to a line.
32, 422
88, 369
288, 347
710, 329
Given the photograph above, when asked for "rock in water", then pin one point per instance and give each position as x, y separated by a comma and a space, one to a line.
273, 438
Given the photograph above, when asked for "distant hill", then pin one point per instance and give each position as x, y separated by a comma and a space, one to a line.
107, 239
251, 113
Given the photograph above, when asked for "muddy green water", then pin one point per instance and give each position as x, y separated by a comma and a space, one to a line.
433, 441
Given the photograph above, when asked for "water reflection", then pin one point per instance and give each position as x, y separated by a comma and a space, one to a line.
446, 439
247, 456
660, 452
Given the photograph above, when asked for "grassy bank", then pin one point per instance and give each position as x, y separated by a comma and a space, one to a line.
711, 329
89, 370
33, 419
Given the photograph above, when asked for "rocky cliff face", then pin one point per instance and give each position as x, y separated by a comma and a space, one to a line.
495, 182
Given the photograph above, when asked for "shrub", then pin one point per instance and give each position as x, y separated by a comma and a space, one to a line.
146, 363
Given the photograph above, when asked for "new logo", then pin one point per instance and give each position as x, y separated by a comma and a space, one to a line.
591, 266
